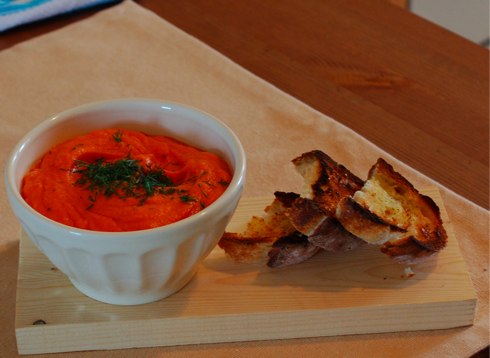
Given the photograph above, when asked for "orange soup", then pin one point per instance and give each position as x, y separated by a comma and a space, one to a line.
121, 180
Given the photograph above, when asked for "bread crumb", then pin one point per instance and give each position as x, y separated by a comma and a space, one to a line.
408, 272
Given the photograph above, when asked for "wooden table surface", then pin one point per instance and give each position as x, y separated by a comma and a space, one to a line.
414, 89
409, 86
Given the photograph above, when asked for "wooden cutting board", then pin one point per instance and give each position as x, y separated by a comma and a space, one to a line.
332, 294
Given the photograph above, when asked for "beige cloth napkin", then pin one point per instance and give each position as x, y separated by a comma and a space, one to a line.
127, 51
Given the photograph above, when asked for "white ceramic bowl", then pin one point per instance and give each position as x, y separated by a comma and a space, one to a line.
138, 266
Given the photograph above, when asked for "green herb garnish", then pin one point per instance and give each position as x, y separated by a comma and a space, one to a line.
186, 198
124, 178
117, 136
77, 146
223, 182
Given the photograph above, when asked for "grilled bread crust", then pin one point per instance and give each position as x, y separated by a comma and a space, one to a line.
326, 182
390, 212
245, 248
295, 228
271, 237
360, 221
261, 232
337, 211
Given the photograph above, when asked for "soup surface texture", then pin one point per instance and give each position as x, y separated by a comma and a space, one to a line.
121, 180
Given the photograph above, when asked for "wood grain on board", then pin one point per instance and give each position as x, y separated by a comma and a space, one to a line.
356, 292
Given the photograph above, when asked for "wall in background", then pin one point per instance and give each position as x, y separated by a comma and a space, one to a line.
468, 18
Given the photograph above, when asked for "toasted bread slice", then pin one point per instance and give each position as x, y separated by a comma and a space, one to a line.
261, 231
331, 236
389, 211
372, 228
305, 215
246, 248
321, 230
406, 251
274, 223
325, 183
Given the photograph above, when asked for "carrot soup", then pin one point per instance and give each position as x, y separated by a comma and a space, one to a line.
122, 180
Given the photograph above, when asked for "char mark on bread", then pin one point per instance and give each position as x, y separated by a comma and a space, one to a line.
270, 237
389, 211
326, 182
337, 211
406, 251
261, 231
286, 199
305, 215
245, 248
322, 230
372, 228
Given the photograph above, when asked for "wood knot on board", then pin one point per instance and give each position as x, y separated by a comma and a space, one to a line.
38, 322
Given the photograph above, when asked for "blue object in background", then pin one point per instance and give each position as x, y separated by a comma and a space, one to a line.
17, 12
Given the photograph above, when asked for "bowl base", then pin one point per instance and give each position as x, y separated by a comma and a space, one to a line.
128, 299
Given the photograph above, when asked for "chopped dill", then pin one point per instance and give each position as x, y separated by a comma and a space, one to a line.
77, 146
202, 190
124, 178
186, 198
117, 136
